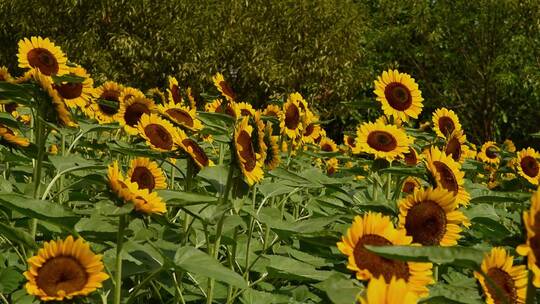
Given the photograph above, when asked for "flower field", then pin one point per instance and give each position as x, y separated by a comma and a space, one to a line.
115, 194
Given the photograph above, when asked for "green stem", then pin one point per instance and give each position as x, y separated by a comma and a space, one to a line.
118, 272
250, 234
133, 294
388, 184
40, 136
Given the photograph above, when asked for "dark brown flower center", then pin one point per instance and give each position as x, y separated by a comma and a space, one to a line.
144, 178
227, 90
198, 153
11, 107
61, 273
292, 117
378, 265
69, 90
109, 95
159, 136
492, 152
327, 147
426, 223
351, 142
534, 243
180, 116
447, 178
43, 60
245, 112
409, 186
506, 292
410, 157
175, 92
529, 165
134, 112
453, 148
309, 130
446, 125
381, 141
246, 151
271, 113
398, 95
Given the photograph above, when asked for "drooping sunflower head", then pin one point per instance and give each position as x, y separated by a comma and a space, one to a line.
312, 128
272, 159
272, 110
399, 95
349, 141
383, 141
130, 92
194, 150
131, 111
377, 230
332, 166
146, 201
378, 291
509, 145
447, 174
146, 174
58, 112
64, 269
159, 133
157, 95
174, 90
223, 87
181, 116
431, 218
246, 109
5, 75
12, 137
490, 153
411, 158
328, 145
455, 146
191, 97
531, 248
77, 94
43, 55
291, 123
528, 165
410, 184
259, 145
117, 183
108, 103
445, 122
247, 159
218, 106
510, 280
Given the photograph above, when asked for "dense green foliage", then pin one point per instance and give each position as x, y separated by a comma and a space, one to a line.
479, 58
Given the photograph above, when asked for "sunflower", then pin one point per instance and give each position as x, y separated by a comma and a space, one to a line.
383, 141
64, 269
156, 95
430, 217
191, 98
11, 108
378, 291
350, 142
531, 249
312, 129
181, 115
223, 87
509, 145
76, 94
272, 159
489, 153
410, 184
230, 108
246, 156
399, 95
528, 165
510, 280
377, 230
273, 111
109, 93
455, 146
411, 157
146, 201
42, 54
129, 92
291, 122
332, 166
195, 152
174, 91
12, 137
328, 145
146, 174
385, 120
445, 122
159, 133
117, 183
5, 75
447, 174
131, 111
62, 114
246, 109
259, 145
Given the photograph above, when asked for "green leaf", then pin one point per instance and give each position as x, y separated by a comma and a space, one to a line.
291, 269
339, 289
404, 171
180, 198
435, 254
69, 78
17, 235
216, 176
193, 260
10, 279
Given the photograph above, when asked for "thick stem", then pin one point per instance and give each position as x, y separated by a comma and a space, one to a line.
40, 136
118, 268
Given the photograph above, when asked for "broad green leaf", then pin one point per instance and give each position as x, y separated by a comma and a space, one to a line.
287, 268
17, 235
403, 171
69, 78
180, 198
439, 255
339, 289
193, 260
216, 176
10, 279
